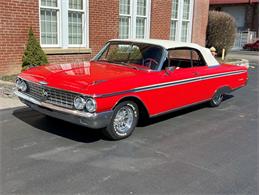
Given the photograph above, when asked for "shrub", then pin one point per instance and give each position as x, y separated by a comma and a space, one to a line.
221, 31
33, 54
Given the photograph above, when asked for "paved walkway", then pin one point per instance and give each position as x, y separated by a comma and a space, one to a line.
248, 55
7, 97
9, 103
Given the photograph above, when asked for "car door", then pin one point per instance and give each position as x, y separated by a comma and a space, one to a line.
185, 88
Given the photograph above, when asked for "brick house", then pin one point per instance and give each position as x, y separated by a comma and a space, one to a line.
74, 30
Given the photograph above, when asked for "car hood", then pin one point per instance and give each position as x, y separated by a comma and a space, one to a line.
78, 76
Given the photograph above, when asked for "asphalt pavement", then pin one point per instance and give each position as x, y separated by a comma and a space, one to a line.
199, 150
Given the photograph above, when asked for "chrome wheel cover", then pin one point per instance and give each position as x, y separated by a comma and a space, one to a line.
217, 99
123, 120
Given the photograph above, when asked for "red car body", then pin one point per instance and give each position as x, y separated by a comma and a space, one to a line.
81, 78
252, 46
157, 92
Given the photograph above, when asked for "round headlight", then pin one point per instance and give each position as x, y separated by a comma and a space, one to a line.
91, 105
23, 86
79, 103
18, 83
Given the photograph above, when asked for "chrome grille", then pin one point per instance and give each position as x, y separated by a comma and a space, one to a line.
55, 96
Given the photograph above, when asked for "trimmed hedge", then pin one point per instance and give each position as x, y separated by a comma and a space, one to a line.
33, 54
221, 31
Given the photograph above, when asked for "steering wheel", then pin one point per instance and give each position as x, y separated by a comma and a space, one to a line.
150, 61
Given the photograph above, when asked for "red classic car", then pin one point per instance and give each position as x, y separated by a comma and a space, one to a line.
126, 81
252, 46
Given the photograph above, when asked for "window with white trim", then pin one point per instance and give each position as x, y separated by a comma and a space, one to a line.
76, 14
134, 19
124, 19
181, 20
49, 22
64, 23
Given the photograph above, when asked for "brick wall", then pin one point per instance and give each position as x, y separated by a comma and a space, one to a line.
104, 22
68, 58
16, 16
161, 19
200, 21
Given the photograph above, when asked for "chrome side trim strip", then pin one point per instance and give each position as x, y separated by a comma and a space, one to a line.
199, 78
172, 83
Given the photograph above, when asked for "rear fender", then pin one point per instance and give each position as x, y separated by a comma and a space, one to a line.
222, 90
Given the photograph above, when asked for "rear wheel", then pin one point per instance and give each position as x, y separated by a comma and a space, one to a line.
123, 121
217, 99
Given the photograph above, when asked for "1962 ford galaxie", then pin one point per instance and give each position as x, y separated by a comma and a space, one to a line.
127, 80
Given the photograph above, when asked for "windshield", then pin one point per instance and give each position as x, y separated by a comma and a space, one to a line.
133, 55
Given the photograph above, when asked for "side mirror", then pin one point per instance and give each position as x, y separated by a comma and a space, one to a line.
169, 70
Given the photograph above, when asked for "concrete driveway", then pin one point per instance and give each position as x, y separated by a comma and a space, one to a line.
199, 150
252, 56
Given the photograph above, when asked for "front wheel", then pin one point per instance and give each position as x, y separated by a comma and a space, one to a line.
123, 122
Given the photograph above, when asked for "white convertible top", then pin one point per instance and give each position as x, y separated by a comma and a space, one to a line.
167, 44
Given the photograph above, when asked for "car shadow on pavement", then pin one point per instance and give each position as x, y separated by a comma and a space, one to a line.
83, 134
58, 127
179, 112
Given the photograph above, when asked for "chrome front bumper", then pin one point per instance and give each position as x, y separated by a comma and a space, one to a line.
91, 120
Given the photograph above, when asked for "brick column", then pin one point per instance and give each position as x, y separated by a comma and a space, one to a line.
200, 21
160, 19
103, 22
